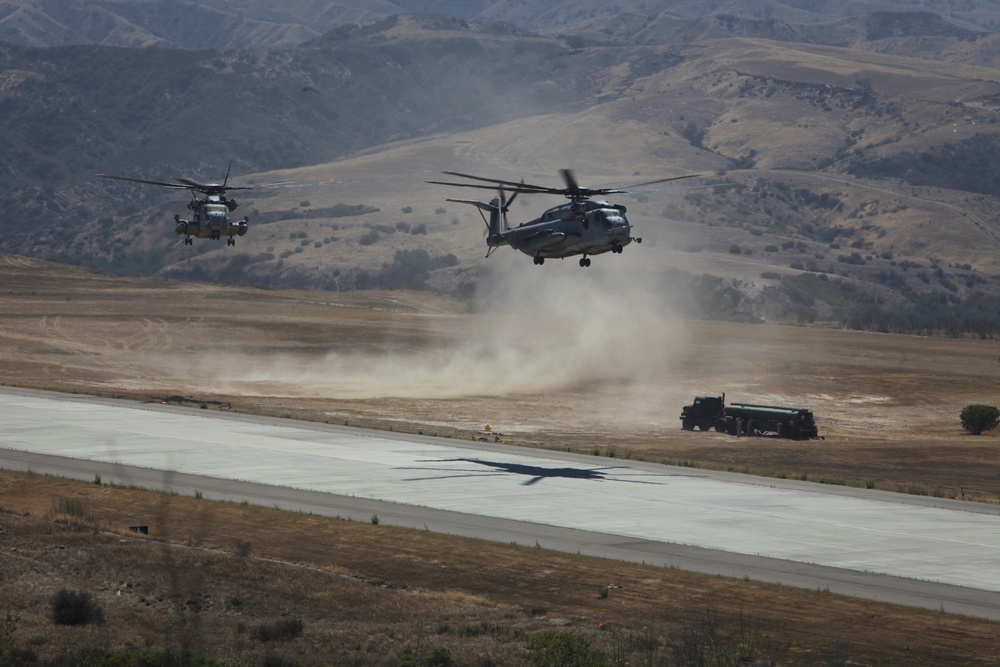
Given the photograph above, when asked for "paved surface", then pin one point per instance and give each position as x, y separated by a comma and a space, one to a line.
926, 552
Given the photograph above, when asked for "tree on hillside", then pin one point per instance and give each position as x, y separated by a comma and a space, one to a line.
976, 419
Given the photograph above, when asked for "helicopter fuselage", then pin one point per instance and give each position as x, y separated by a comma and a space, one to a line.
211, 220
588, 227
584, 226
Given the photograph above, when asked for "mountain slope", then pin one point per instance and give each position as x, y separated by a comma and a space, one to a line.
228, 24
850, 177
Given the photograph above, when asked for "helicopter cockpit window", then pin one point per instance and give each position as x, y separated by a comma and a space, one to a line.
214, 210
610, 218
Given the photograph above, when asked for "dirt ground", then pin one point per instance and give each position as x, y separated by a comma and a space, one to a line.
561, 367
568, 364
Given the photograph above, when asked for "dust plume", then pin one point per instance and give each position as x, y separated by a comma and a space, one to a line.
535, 329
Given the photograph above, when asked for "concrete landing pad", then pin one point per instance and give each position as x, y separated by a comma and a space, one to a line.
949, 543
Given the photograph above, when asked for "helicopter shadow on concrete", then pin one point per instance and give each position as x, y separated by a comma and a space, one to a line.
535, 473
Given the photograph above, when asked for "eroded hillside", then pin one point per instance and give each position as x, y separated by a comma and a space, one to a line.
842, 179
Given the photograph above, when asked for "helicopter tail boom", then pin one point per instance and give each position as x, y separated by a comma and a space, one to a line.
496, 224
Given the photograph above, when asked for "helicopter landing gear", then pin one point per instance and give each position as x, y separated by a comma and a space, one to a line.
188, 240
585, 262
616, 248
538, 260
230, 241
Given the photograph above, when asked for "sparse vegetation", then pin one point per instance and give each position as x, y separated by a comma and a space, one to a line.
958, 166
410, 269
296, 107
561, 649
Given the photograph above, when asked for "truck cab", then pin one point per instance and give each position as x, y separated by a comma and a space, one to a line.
703, 412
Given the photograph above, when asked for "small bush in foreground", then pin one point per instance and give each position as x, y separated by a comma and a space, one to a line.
437, 657
556, 649
977, 419
279, 631
75, 608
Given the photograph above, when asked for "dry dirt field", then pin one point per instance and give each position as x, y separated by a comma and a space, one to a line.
580, 363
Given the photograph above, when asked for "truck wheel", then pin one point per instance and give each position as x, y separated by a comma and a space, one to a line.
721, 426
687, 425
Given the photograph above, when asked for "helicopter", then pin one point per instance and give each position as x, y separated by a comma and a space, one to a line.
210, 217
584, 226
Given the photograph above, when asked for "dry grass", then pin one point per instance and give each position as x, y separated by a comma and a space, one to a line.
366, 593
212, 572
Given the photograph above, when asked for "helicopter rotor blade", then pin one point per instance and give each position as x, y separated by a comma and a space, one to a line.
211, 188
573, 190
517, 187
572, 186
659, 180
522, 186
191, 183
174, 186
506, 206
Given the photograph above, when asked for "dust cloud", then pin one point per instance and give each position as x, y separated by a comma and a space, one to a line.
534, 330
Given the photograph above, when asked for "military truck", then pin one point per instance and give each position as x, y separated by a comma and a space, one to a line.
707, 412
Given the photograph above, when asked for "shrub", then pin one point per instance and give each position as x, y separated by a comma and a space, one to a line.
977, 419
437, 657
284, 631
8, 627
555, 649
75, 608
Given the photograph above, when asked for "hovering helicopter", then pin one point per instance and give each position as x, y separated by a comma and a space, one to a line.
581, 227
210, 217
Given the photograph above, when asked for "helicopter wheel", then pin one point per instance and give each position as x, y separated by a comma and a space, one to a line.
585, 262
539, 260
188, 241
230, 241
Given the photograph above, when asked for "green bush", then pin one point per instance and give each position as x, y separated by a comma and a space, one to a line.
977, 419
75, 608
283, 631
437, 657
565, 649
370, 237
8, 627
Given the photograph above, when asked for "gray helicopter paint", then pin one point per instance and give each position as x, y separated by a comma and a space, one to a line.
938, 553
582, 227
210, 217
